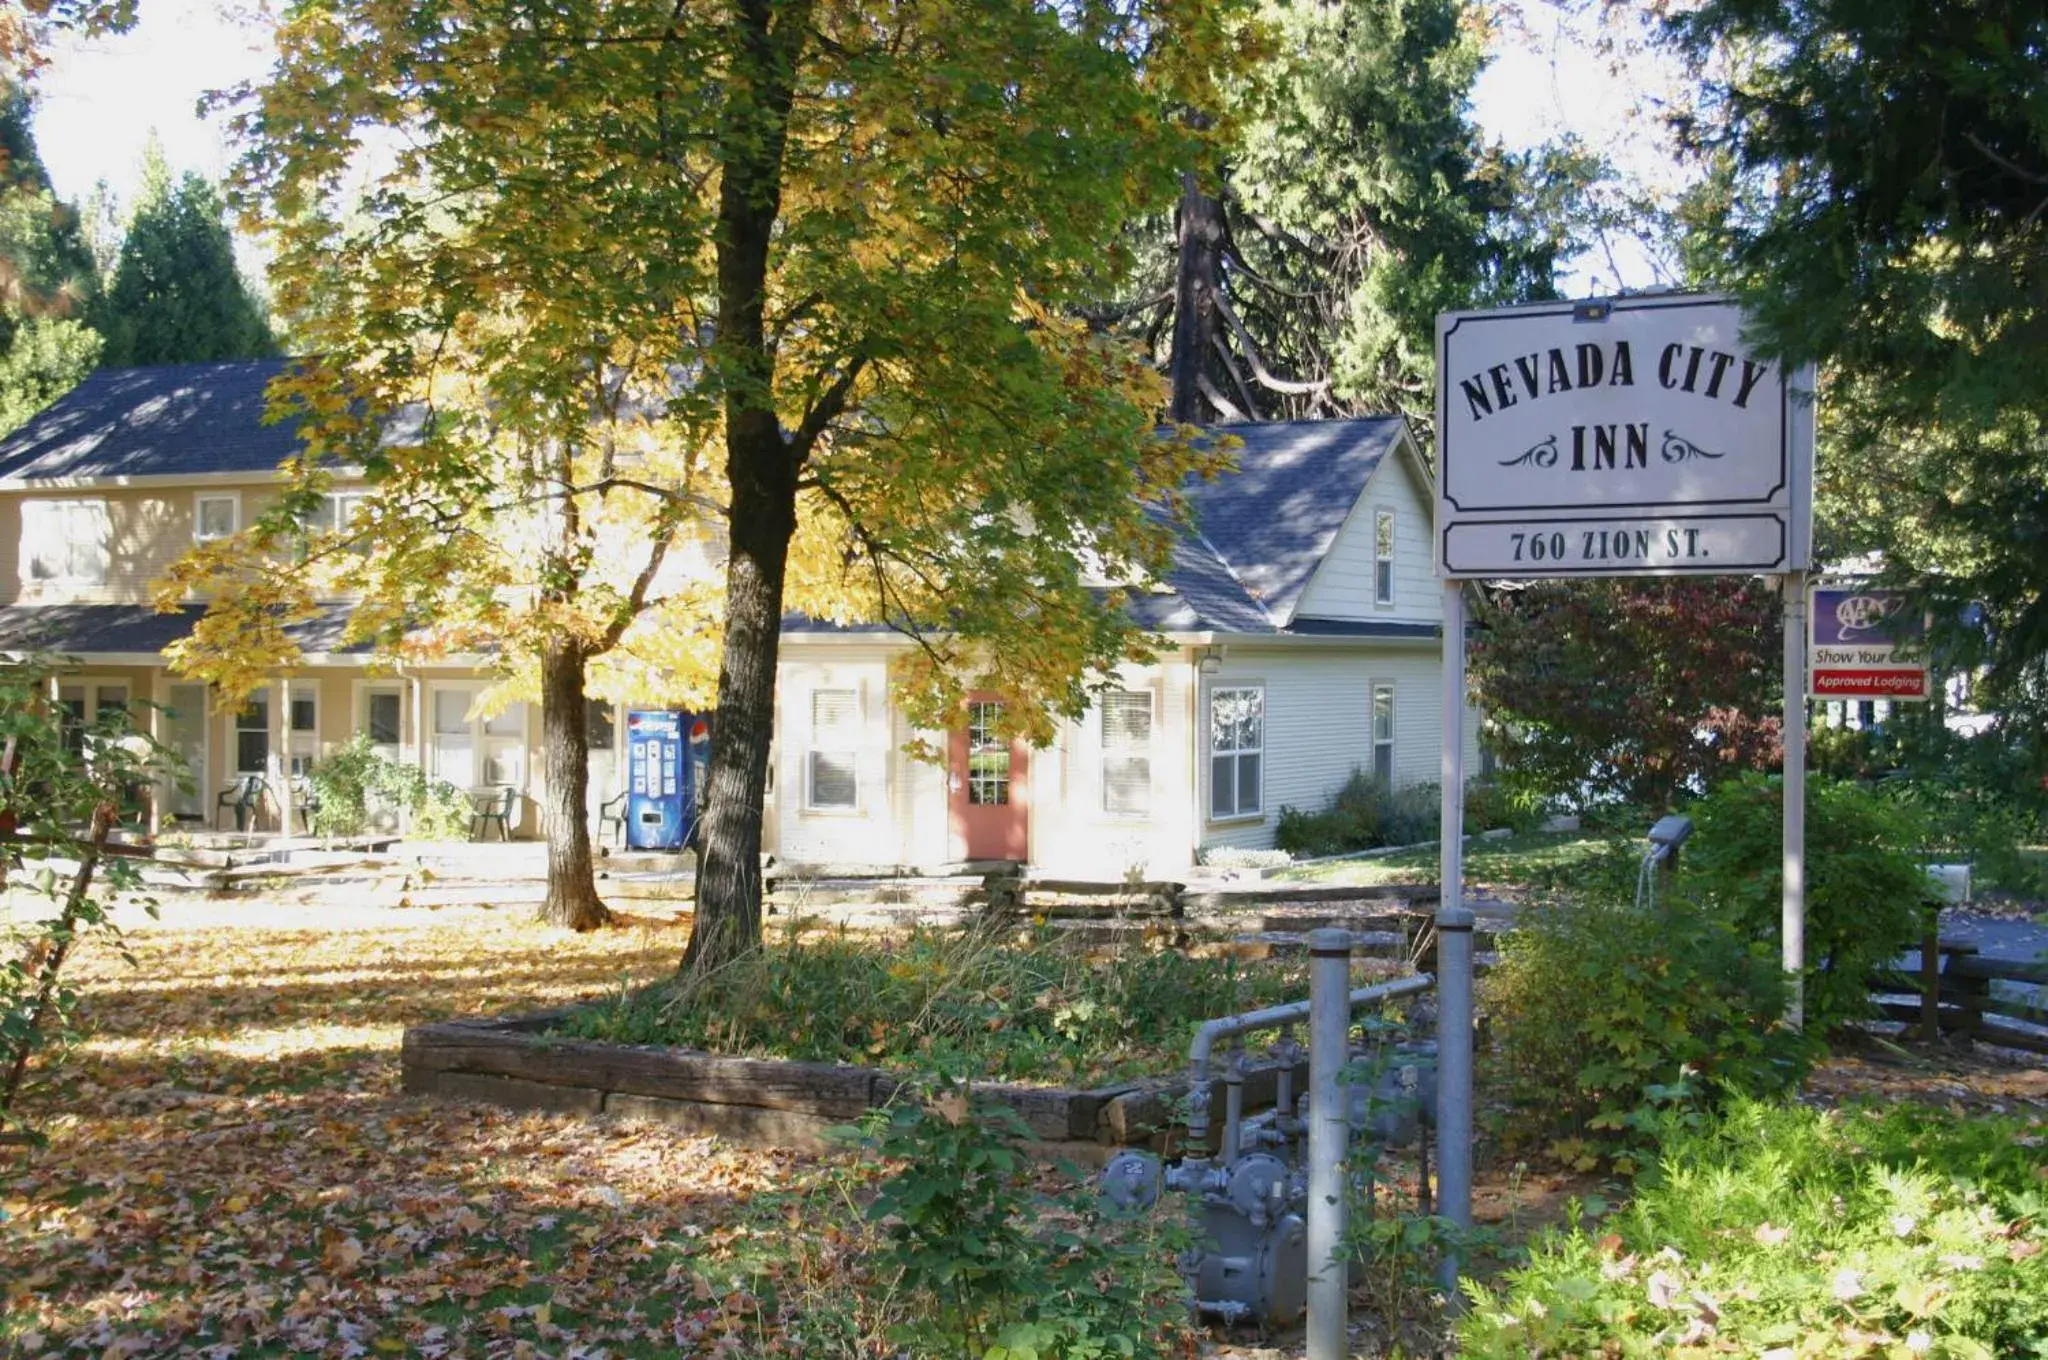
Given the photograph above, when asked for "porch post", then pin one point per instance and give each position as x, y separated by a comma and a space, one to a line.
281, 755
156, 735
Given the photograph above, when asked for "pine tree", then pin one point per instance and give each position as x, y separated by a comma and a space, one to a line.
176, 295
1303, 277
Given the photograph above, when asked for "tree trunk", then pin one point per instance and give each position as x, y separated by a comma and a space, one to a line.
761, 465
572, 898
728, 916
1197, 279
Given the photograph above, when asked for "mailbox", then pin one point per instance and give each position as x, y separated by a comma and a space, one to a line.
666, 753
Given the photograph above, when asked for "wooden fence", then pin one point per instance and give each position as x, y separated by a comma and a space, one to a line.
1953, 983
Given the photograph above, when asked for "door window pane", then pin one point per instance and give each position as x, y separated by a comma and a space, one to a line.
988, 756
451, 712
597, 725
305, 713
383, 719
252, 737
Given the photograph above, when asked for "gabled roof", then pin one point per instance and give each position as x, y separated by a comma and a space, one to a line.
171, 420
1269, 525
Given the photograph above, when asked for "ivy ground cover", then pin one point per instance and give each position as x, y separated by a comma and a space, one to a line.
969, 1005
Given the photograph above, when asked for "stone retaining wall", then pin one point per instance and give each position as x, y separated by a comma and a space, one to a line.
771, 1102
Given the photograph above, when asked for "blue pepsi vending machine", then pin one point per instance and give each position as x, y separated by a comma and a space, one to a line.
666, 752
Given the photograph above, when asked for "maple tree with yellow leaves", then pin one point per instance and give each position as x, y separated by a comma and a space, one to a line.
813, 262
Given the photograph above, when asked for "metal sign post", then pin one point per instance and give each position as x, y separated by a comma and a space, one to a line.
1634, 437
1792, 921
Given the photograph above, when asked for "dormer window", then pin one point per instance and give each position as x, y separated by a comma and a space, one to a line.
216, 516
1383, 557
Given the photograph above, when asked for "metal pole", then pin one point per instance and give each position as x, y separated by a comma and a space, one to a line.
1454, 956
1329, 1134
1794, 918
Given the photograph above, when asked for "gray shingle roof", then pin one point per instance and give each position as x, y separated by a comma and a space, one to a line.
175, 419
101, 629
1273, 520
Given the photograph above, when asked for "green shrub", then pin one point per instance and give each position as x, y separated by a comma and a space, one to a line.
1864, 880
1904, 1231
946, 1002
996, 1271
1971, 812
1363, 815
351, 778
1491, 803
1604, 1018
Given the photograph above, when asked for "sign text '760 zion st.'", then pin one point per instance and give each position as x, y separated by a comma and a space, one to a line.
1639, 437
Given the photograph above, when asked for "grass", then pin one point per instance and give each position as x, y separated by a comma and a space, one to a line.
1529, 859
943, 1001
1783, 1230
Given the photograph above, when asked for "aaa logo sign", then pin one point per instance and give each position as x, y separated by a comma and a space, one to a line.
1865, 644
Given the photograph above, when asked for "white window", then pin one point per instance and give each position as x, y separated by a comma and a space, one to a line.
336, 511
216, 515
832, 761
1383, 733
1127, 753
64, 542
1383, 557
1237, 744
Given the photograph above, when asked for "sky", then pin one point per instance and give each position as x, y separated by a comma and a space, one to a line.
101, 98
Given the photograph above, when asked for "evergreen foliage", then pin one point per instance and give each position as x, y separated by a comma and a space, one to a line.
47, 282
1878, 196
1357, 202
175, 295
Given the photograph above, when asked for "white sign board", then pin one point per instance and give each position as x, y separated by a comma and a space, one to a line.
1633, 438
1865, 644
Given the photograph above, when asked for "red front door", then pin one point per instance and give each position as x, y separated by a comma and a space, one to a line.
987, 782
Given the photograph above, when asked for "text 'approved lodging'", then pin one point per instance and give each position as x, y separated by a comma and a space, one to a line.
1634, 437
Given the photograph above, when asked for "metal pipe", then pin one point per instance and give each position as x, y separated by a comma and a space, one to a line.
1233, 1105
1454, 1082
1329, 1138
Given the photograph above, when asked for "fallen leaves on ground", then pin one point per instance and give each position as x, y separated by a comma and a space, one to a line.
232, 1169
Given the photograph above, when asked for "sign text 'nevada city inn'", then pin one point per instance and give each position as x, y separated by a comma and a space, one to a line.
1635, 437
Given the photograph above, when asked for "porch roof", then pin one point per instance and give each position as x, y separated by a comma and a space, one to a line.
98, 630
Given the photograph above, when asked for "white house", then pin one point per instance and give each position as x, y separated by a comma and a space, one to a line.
1303, 640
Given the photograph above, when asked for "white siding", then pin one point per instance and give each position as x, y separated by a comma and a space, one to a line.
1319, 725
1072, 834
870, 832
1342, 586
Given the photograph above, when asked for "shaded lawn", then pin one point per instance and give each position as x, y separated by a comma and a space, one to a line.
233, 1171
1530, 859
